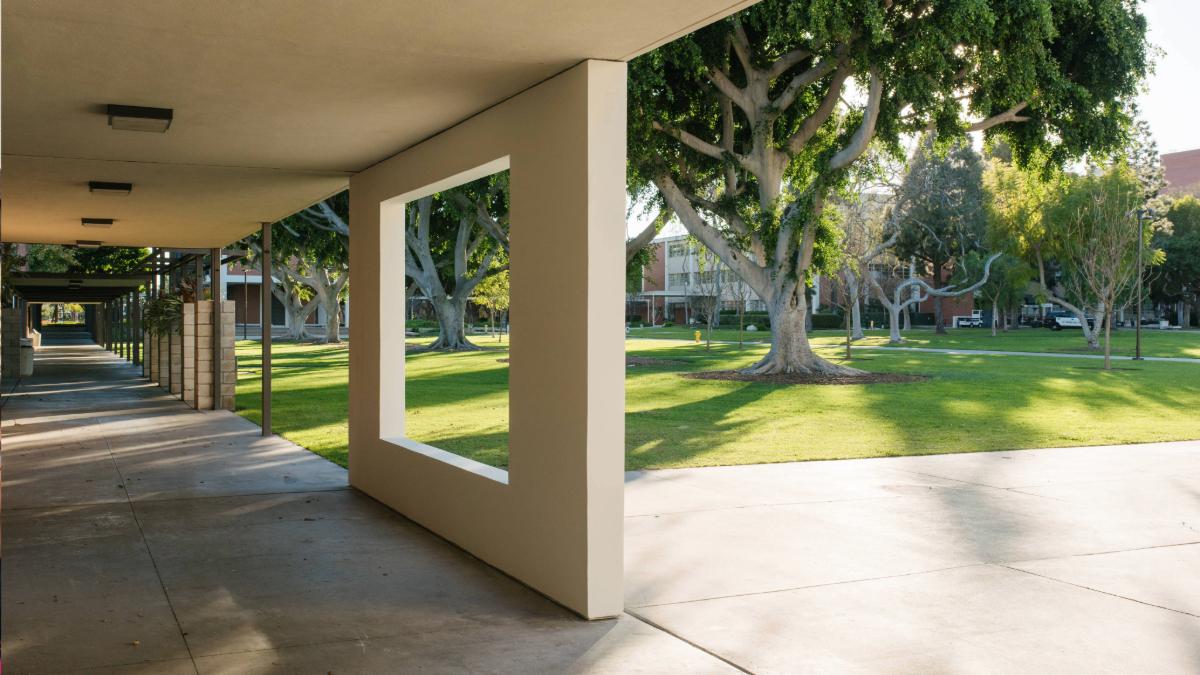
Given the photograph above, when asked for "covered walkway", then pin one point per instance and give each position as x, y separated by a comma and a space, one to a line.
141, 536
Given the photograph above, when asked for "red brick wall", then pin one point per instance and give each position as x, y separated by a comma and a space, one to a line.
951, 307
654, 276
1183, 171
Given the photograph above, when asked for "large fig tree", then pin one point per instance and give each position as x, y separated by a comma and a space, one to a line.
455, 240
748, 127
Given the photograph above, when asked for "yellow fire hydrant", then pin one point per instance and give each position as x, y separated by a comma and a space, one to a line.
697, 337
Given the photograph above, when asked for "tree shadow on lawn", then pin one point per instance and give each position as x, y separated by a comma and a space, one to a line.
323, 358
680, 434
972, 403
983, 404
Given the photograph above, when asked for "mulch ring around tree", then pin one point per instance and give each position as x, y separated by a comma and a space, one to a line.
805, 378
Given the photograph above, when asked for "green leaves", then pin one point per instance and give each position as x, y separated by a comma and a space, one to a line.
163, 315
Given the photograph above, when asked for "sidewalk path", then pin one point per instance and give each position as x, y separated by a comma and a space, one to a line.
993, 352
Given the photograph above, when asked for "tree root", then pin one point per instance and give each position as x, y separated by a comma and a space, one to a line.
440, 345
813, 366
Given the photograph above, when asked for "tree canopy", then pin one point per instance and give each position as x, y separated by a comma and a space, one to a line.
747, 127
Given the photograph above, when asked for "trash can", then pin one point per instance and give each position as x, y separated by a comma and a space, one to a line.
26, 357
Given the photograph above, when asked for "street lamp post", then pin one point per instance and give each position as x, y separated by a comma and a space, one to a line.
1137, 352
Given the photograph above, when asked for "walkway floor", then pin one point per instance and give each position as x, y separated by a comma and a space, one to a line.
143, 537
1078, 560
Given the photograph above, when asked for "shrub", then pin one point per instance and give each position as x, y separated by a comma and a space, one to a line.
163, 315
920, 319
730, 318
826, 321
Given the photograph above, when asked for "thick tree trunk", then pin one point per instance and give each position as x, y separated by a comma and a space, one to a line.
894, 336
939, 325
1092, 335
856, 328
451, 316
333, 321
1108, 345
907, 318
790, 348
297, 317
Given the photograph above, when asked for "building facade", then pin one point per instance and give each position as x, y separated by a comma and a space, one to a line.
243, 285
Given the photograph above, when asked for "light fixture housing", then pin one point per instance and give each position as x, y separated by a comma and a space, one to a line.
75, 284
96, 222
109, 187
88, 243
139, 118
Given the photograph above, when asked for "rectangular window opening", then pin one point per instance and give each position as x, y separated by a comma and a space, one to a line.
453, 402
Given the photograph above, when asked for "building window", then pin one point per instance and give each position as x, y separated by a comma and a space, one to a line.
678, 279
677, 249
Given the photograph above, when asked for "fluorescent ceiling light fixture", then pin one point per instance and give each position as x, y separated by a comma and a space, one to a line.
139, 118
96, 222
109, 188
87, 243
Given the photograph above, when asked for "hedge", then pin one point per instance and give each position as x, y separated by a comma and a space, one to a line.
826, 321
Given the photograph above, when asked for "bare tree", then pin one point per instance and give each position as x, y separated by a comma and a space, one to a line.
709, 277
1102, 241
915, 290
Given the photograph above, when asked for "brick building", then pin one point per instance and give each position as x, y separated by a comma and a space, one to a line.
1182, 172
682, 272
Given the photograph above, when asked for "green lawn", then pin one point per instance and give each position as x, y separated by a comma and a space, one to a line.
1173, 343
970, 403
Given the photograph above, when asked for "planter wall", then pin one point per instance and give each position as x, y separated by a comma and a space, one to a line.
197, 380
176, 362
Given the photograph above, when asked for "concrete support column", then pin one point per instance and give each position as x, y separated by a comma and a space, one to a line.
554, 520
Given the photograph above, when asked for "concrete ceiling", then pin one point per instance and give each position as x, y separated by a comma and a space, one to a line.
277, 102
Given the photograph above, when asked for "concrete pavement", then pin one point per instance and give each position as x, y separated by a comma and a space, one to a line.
1076, 560
144, 537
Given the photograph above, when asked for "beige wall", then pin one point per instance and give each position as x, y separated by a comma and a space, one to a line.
554, 520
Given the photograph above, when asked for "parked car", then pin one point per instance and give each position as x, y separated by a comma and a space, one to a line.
1063, 320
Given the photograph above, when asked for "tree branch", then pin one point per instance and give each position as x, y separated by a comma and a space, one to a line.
726, 86
698, 144
741, 46
712, 238
787, 62
812, 125
1010, 115
788, 96
866, 130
